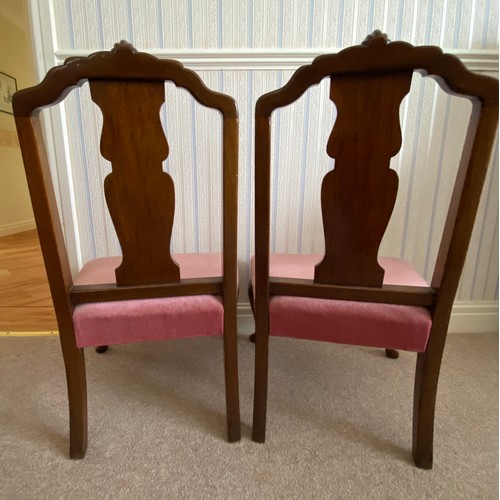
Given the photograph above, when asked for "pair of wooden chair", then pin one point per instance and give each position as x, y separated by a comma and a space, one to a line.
347, 295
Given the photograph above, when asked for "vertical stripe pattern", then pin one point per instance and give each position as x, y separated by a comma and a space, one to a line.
431, 123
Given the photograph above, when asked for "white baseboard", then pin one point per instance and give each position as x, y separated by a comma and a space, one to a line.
17, 227
466, 317
246, 324
474, 317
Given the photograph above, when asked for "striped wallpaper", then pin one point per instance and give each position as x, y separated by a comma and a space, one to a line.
221, 33
229, 24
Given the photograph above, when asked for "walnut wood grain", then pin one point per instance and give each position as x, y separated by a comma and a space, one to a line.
58, 272
110, 292
386, 294
381, 57
140, 196
358, 196
123, 62
230, 273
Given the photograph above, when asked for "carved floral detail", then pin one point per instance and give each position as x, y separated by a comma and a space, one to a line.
376, 38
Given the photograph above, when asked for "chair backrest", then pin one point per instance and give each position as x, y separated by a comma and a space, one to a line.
129, 88
368, 84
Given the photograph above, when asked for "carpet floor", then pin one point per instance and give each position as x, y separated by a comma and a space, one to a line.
339, 423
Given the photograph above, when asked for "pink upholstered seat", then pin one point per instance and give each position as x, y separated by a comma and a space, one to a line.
357, 323
107, 323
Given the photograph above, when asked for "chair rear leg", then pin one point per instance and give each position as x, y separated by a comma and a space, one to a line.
392, 353
231, 380
424, 404
261, 340
250, 299
260, 386
74, 362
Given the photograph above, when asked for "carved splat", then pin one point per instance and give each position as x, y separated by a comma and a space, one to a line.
358, 196
140, 196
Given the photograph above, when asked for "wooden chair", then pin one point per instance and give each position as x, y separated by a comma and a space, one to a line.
349, 295
148, 294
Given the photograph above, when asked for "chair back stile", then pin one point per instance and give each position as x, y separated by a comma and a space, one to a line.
47, 219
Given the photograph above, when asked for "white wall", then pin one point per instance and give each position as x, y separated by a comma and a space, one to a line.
246, 48
15, 60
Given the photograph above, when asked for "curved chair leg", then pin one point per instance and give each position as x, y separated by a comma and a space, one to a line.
231, 378
392, 353
424, 405
260, 385
74, 362
101, 348
261, 340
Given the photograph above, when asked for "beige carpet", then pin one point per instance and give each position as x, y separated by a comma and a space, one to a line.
339, 423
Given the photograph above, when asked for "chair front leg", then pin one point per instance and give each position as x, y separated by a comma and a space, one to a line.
424, 401
74, 362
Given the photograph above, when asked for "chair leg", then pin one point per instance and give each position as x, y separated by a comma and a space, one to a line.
231, 380
101, 348
424, 404
260, 385
74, 362
250, 299
392, 353
261, 340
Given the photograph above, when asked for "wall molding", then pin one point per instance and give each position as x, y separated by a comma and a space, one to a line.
277, 59
471, 317
466, 317
246, 325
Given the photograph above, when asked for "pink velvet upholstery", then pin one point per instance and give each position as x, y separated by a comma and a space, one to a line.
345, 322
119, 322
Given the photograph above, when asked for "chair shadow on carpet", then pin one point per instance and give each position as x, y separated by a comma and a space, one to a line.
36, 424
309, 369
178, 378
345, 429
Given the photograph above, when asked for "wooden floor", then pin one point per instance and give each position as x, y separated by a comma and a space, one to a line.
25, 302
